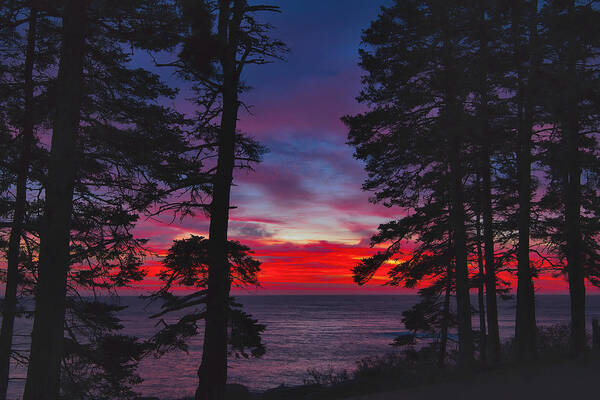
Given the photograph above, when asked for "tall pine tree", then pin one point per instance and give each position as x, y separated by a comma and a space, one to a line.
101, 108
414, 139
214, 57
571, 47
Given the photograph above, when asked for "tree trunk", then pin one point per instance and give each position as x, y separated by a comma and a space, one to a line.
575, 268
525, 327
480, 296
575, 271
493, 337
43, 374
490, 266
212, 373
445, 319
14, 242
463, 303
457, 211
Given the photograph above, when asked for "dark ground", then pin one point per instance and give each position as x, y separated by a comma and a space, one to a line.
568, 380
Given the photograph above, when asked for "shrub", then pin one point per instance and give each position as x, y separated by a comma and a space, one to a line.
327, 377
554, 340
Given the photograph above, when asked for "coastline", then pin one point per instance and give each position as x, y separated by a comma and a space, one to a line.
558, 378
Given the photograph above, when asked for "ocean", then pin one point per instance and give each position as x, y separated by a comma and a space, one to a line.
302, 332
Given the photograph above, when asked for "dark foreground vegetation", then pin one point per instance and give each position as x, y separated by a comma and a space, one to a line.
481, 129
416, 374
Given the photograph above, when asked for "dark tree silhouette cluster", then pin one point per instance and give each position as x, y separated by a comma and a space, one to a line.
90, 149
481, 128
483, 131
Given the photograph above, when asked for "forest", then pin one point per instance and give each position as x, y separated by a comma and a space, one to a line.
480, 128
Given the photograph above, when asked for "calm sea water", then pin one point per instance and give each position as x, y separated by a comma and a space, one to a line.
302, 332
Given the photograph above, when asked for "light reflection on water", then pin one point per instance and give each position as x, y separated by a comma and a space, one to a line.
302, 332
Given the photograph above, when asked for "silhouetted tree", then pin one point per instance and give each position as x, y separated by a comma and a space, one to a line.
187, 266
414, 138
431, 315
98, 362
238, 40
487, 71
101, 108
571, 46
480, 279
43, 374
525, 67
10, 293
21, 117
430, 264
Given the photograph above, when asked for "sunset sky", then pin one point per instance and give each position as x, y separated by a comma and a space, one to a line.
303, 211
